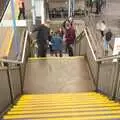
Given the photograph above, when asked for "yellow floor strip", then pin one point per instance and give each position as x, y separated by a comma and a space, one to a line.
64, 107
61, 101
55, 58
69, 97
115, 117
63, 110
58, 104
62, 114
71, 107
49, 97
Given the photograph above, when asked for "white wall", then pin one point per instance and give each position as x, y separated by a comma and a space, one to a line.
39, 9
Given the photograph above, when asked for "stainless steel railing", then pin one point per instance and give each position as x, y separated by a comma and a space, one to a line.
104, 71
12, 77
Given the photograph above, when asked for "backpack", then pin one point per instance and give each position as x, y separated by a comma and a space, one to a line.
108, 36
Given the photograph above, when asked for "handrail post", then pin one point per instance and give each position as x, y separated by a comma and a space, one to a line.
10, 85
97, 76
116, 80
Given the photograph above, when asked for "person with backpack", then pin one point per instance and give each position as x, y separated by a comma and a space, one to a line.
107, 39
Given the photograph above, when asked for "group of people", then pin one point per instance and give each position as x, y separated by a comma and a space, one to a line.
65, 36
106, 35
56, 40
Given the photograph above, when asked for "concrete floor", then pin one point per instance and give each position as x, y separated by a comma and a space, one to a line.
54, 75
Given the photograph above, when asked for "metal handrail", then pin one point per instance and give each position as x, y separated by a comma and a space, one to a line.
23, 54
95, 57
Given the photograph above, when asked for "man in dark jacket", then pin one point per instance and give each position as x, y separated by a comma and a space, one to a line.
42, 39
69, 38
108, 37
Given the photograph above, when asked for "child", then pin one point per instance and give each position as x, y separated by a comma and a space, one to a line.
57, 44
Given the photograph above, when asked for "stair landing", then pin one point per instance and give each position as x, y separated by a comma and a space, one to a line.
57, 75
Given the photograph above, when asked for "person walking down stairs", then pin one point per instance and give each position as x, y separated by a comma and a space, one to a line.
21, 9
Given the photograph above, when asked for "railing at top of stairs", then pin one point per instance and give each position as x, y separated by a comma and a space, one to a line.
104, 71
12, 75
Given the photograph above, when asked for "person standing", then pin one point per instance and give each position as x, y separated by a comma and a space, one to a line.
21, 9
57, 44
69, 37
42, 39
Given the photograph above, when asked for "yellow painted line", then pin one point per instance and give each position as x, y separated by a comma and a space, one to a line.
60, 101
64, 107
86, 118
70, 104
63, 98
64, 102
9, 44
55, 58
62, 114
62, 110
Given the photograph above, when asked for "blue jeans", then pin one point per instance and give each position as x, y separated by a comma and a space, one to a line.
106, 45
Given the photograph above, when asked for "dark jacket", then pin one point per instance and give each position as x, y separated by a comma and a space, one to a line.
70, 36
43, 34
108, 36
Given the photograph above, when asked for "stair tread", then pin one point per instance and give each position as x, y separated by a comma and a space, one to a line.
80, 106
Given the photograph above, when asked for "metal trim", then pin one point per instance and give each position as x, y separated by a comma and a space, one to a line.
95, 58
23, 55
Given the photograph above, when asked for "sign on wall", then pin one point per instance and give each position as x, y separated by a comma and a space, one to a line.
116, 49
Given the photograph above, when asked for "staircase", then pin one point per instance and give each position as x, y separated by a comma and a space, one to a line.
69, 106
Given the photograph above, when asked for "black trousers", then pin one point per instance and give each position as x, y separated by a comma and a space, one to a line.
58, 51
21, 12
102, 33
42, 50
69, 49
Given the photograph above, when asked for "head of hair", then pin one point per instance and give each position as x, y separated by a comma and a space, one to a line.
103, 21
